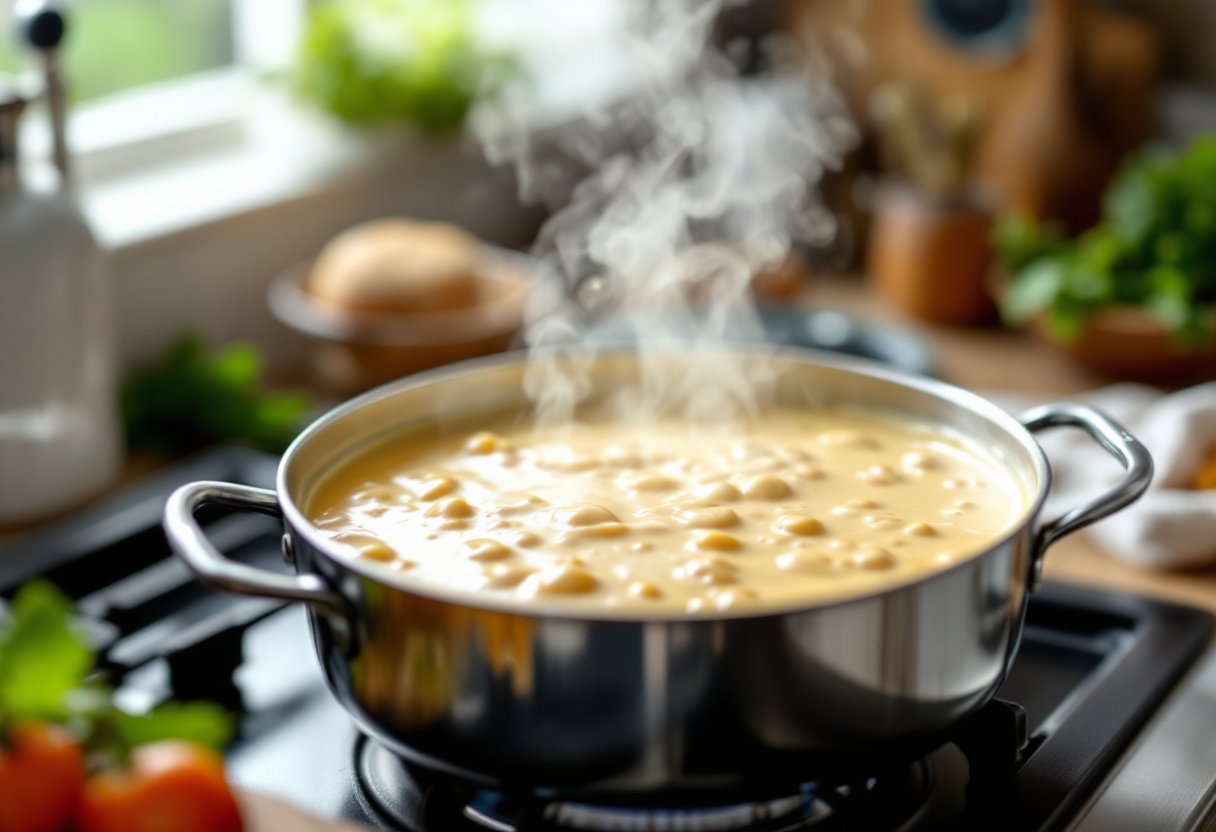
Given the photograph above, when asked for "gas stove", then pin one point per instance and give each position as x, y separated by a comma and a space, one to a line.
1107, 721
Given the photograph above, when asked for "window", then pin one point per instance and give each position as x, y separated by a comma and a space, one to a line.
117, 45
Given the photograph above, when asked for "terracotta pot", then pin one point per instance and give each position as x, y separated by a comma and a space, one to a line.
930, 255
1127, 342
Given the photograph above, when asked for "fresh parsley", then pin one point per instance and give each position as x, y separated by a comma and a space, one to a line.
417, 62
1155, 248
192, 398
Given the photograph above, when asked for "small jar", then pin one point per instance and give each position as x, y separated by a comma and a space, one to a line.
930, 255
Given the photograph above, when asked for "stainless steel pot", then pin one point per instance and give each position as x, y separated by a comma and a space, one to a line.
507, 697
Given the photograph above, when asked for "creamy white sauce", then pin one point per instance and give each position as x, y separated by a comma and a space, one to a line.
799, 507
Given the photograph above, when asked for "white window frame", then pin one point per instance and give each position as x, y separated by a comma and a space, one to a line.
162, 123
176, 155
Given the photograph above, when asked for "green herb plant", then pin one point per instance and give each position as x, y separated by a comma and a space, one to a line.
47, 673
418, 62
1155, 248
192, 398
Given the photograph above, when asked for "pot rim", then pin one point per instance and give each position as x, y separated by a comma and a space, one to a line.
300, 525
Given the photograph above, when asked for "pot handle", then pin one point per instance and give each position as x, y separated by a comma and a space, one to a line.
1127, 449
212, 568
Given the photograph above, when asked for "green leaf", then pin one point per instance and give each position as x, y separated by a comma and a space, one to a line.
413, 61
1033, 290
44, 654
192, 398
1019, 241
1131, 203
1155, 248
1064, 323
202, 722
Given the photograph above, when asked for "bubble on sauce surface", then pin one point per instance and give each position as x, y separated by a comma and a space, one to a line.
566, 579
720, 541
709, 517
766, 487
917, 462
436, 488
873, 559
516, 505
708, 570
961, 483
799, 524
649, 482
454, 507
483, 443
718, 492
583, 515
882, 522
505, 576
645, 589
878, 475
808, 472
733, 598
854, 506
743, 451
376, 494
920, 530
485, 549
814, 563
599, 530
377, 550
766, 464
848, 438
526, 539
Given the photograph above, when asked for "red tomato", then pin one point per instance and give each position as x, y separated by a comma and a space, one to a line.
41, 775
171, 786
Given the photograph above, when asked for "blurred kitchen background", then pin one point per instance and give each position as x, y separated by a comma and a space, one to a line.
1028, 202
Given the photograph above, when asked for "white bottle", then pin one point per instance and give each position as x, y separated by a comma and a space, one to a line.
60, 439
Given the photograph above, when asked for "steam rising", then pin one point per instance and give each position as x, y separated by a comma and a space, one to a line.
698, 181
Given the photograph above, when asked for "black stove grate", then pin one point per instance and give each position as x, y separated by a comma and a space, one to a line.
141, 604
1092, 668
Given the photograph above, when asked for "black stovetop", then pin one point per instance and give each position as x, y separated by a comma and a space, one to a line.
1092, 668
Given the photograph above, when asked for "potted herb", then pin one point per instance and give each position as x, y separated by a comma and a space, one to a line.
929, 252
415, 62
1135, 295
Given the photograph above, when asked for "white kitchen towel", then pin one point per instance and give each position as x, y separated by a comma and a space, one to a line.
1172, 525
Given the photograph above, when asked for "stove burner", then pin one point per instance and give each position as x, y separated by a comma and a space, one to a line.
794, 811
416, 801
